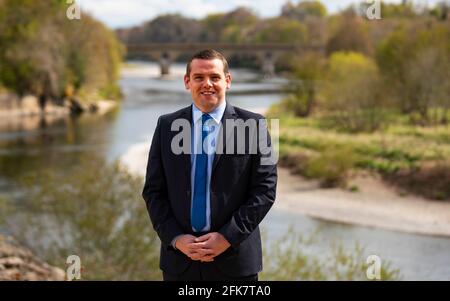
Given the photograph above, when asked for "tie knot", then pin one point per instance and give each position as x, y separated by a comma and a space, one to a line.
206, 124
205, 117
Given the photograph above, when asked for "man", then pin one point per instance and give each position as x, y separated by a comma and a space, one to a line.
206, 204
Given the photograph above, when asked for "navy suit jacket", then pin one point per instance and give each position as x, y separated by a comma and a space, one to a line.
241, 193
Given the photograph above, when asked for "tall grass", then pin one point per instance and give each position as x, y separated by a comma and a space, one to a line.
290, 258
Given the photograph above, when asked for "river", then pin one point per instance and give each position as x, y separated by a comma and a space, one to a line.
60, 143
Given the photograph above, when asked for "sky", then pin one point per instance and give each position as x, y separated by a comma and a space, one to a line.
127, 13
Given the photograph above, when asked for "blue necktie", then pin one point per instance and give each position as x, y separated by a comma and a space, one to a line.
198, 214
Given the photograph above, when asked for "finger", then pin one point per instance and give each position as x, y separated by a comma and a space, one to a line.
195, 256
203, 238
206, 252
208, 257
195, 245
200, 245
191, 252
200, 252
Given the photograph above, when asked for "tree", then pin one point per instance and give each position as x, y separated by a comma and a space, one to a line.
303, 9
93, 59
230, 27
428, 85
403, 10
42, 52
171, 28
351, 35
413, 61
307, 76
278, 30
441, 11
351, 94
31, 61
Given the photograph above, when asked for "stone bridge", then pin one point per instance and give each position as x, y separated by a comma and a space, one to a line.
166, 53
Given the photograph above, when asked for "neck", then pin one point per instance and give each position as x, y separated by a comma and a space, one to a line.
210, 109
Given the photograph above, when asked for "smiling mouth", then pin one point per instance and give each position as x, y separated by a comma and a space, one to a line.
208, 93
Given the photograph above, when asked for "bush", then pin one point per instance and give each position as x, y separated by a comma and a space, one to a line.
94, 211
332, 166
352, 94
429, 180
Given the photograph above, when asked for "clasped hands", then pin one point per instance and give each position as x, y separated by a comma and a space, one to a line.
203, 248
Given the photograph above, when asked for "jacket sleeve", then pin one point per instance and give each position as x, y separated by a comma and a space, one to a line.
156, 196
261, 196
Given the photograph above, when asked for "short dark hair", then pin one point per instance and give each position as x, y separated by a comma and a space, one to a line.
208, 54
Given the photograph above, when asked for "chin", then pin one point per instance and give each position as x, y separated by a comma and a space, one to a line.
210, 102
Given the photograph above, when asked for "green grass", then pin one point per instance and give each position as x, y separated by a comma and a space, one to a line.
399, 149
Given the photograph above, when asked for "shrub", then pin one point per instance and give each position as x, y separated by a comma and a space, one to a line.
331, 166
352, 94
94, 211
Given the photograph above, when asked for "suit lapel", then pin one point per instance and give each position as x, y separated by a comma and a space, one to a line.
187, 114
182, 162
229, 115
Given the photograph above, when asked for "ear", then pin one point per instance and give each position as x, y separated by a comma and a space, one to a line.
228, 80
186, 82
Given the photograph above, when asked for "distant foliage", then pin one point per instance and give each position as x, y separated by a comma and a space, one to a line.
351, 93
305, 83
351, 34
44, 53
415, 64
303, 10
279, 30
232, 27
335, 174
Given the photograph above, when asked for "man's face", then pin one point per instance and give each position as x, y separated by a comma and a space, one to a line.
207, 83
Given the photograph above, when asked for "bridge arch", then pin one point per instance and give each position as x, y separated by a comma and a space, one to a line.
166, 53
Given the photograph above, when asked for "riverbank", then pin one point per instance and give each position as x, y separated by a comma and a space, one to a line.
374, 204
18, 263
26, 115
28, 106
414, 158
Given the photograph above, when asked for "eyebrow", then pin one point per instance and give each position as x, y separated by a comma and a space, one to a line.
197, 74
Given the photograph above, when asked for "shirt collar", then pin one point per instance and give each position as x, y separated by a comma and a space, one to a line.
216, 114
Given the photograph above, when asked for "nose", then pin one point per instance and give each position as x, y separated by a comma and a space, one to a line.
208, 82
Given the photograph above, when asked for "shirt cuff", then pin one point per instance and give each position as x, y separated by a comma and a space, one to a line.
175, 240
